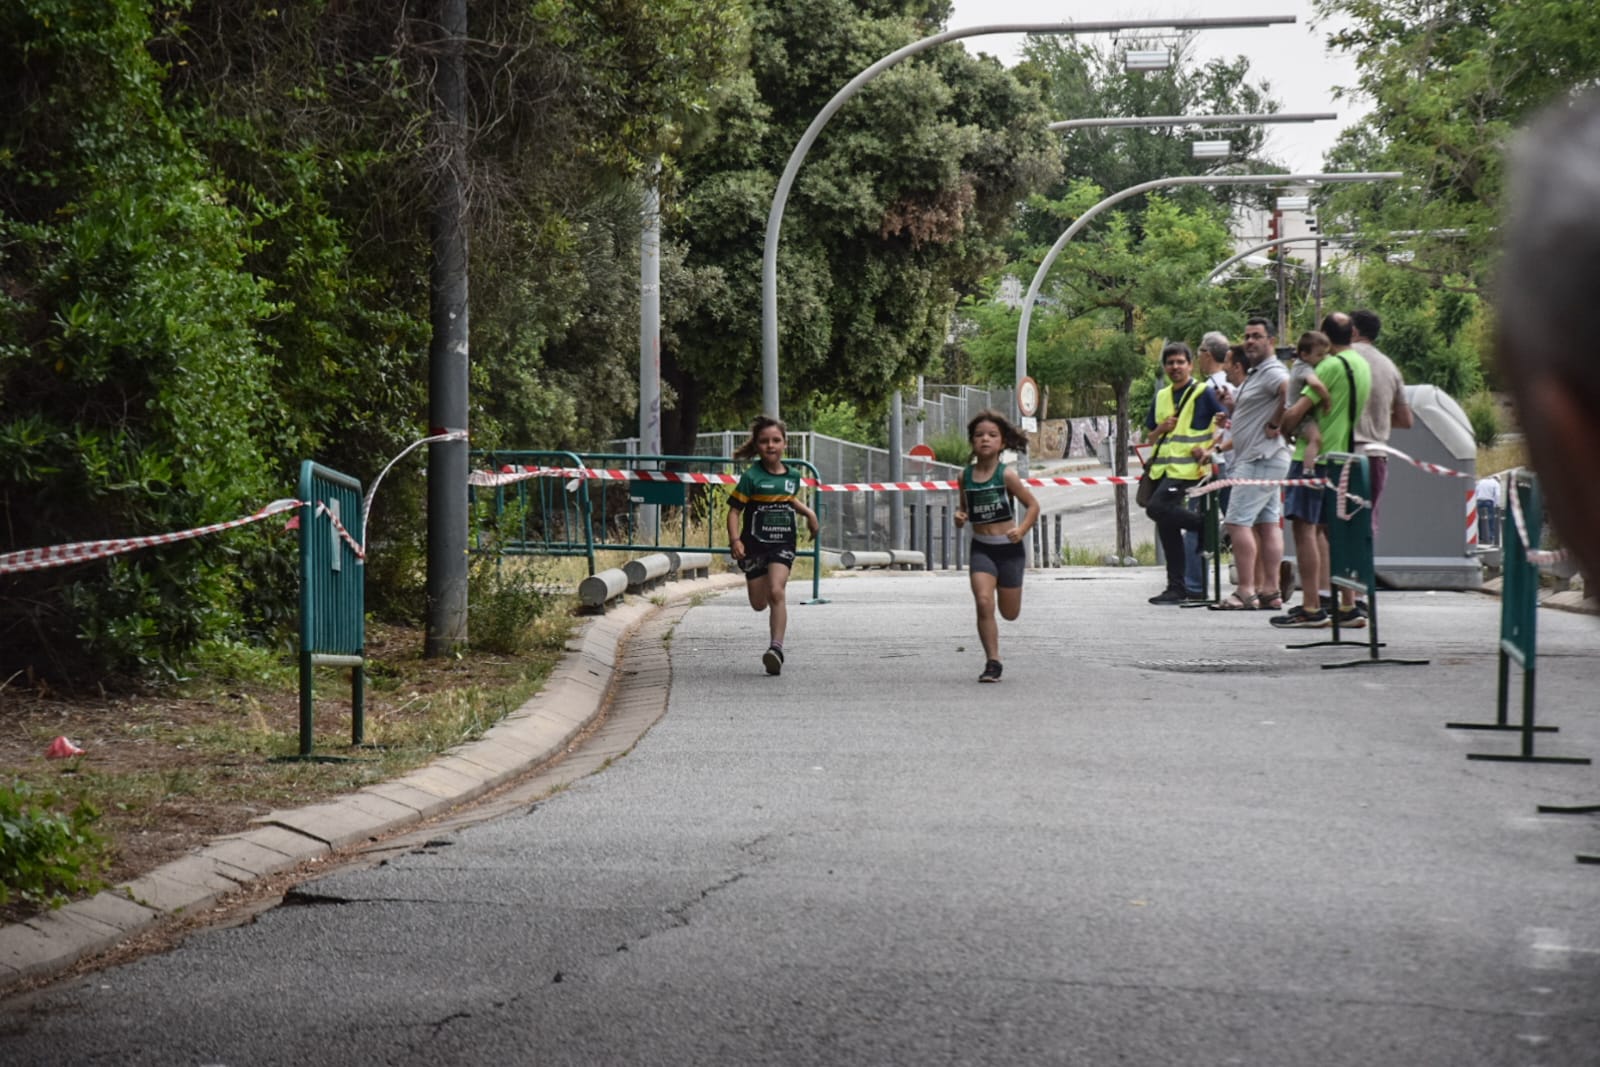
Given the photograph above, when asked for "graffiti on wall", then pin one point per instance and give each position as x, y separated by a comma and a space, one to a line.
1071, 438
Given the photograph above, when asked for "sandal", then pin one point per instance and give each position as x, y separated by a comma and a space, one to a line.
1269, 602
1234, 602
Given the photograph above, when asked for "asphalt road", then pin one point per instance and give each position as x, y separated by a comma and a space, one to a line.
1163, 839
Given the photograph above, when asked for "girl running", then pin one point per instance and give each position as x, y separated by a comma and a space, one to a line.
997, 557
761, 528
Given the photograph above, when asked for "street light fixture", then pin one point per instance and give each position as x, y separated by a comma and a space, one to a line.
1147, 59
769, 258
1294, 203
1212, 149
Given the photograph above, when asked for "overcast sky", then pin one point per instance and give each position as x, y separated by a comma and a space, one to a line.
1292, 58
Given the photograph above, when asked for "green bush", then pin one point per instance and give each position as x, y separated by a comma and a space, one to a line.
1484, 418
505, 597
45, 856
952, 448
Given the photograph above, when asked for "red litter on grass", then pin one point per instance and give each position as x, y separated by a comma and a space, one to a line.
61, 748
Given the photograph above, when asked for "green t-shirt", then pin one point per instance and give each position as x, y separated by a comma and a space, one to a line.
987, 501
1338, 423
765, 499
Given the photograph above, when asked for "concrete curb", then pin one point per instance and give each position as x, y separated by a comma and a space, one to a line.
571, 699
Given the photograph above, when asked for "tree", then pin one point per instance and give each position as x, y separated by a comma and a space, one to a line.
1450, 80
134, 395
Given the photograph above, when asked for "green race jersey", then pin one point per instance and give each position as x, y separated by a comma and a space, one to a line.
766, 502
987, 501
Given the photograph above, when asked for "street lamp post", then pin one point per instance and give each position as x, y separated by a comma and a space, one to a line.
769, 259
1145, 187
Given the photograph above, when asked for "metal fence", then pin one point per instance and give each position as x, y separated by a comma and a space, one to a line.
860, 521
939, 410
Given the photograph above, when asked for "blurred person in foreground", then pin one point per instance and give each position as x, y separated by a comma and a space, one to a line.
1546, 299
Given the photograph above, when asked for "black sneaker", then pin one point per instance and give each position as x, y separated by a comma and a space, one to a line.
1361, 606
1305, 620
1352, 618
991, 671
772, 659
1171, 596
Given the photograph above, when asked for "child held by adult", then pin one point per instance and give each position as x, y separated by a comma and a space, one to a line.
761, 528
998, 558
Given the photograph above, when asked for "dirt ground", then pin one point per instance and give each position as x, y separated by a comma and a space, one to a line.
169, 773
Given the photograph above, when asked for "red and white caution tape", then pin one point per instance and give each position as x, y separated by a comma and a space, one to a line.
366, 503
509, 475
1431, 468
38, 559
1342, 489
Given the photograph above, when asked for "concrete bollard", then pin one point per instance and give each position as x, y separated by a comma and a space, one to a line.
849, 560
690, 564
598, 590
905, 557
646, 571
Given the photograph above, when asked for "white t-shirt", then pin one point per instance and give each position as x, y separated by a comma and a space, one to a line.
1489, 489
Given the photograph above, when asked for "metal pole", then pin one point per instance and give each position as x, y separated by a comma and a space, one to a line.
1316, 289
650, 337
448, 352
897, 471
769, 257
1194, 120
1264, 246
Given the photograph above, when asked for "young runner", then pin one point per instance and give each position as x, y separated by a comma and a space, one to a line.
997, 557
761, 528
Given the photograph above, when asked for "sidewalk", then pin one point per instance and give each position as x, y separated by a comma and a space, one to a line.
570, 701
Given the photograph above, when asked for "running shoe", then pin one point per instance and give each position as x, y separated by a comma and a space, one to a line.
1352, 618
772, 659
991, 671
1305, 620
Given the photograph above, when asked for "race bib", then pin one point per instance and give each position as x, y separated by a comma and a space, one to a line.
774, 525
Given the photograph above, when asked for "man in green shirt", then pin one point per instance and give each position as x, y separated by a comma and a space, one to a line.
1348, 379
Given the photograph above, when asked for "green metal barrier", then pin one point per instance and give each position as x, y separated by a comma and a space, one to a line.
1350, 563
1519, 630
547, 516
332, 592
1210, 552
555, 516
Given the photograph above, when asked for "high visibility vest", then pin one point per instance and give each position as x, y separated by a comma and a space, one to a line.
1172, 458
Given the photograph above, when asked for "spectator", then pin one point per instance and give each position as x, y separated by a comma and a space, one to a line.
1209, 370
1386, 408
1349, 381
1258, 453
1488, 510
1545, 310
1179, 424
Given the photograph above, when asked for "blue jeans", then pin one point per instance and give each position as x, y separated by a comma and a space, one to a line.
1194, 564
1488, 523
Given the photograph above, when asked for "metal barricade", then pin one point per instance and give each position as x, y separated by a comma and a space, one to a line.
593, 504
332, 591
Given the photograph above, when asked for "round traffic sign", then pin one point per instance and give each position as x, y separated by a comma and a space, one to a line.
1028, 397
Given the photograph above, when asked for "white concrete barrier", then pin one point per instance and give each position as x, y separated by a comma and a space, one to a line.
851, 560
646, 571
598, 590
690, 564
905, 557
